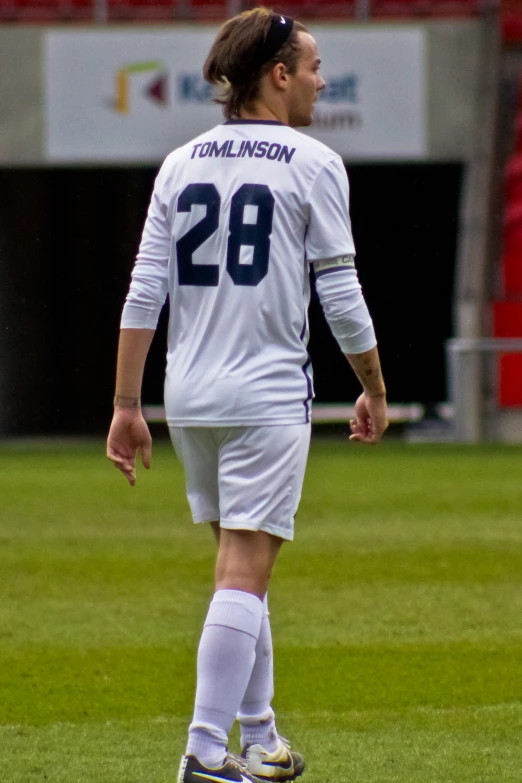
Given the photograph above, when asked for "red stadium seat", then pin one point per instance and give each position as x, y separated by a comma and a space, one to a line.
512, 257
213, 7
303, 9
514, 180
507, 322
408, 8
510, 380
140, 10
46, 10
512, 27
507, 315
512, 270
153, 10
511, 18
208, 9
143, 10
513, 217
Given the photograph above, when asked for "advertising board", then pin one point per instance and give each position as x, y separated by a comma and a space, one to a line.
120, 96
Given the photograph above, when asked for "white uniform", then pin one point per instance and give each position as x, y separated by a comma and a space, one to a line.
236, 217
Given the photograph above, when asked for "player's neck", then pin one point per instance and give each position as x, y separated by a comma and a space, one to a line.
261, 111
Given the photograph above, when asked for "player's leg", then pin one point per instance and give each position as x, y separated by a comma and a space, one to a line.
269, 755
227, 649
276, 480
256, 716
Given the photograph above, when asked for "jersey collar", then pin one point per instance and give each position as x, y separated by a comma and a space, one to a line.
253, 122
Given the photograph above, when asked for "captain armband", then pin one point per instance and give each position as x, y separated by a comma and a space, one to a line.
326, 265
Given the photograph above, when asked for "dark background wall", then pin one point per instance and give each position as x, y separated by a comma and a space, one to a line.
68, 238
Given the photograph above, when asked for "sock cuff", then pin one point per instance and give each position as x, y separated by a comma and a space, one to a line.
236, 609
209, 728
255, 720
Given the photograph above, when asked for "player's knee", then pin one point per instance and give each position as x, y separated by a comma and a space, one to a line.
237, 576
244, 568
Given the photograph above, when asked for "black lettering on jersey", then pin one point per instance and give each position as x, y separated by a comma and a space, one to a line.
261, 149
249, 149
257, 149
286, 154
229, 151
218, 152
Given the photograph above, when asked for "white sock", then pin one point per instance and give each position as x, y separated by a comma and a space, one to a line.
256, 716
225, 660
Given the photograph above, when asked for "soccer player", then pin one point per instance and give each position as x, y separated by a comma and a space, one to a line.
237, 217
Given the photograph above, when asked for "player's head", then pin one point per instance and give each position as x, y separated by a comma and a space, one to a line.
260, 56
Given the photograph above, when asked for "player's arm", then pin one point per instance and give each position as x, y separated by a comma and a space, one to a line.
148, 290
347, 314
129, 431
329, 246
371, 412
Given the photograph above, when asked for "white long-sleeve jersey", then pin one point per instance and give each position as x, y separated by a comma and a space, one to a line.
236, 217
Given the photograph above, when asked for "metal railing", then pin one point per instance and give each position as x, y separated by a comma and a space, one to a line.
323, 413
472, 389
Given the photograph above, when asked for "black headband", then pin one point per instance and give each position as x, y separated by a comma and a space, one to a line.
278, 34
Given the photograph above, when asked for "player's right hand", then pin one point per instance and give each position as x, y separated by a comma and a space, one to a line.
371, 420
128, 433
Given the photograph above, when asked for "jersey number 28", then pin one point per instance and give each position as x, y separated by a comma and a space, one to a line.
257, 234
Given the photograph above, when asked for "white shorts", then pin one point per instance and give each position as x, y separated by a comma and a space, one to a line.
248, 478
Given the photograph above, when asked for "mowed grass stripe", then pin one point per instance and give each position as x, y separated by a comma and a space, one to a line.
340, 478
76, 567
417, 745
384, 614
55, 684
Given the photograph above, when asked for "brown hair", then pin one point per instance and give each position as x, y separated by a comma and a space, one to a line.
227, 64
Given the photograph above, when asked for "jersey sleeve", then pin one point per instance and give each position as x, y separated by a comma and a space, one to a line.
345, 309
149, 284
329, 232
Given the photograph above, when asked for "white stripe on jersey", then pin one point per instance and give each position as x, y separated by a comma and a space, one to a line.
235, 219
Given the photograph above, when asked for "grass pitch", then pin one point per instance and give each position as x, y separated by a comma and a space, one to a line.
396, 616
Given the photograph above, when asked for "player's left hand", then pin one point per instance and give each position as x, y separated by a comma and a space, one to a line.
128, 433
371, 420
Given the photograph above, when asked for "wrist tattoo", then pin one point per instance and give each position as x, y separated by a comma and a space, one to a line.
127, 402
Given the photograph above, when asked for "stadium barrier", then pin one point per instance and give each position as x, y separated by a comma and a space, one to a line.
323, 413
473, 388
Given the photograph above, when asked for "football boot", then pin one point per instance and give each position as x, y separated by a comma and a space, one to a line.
234, 770
284, 764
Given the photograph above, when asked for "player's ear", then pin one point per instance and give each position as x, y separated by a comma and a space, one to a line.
279, 75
